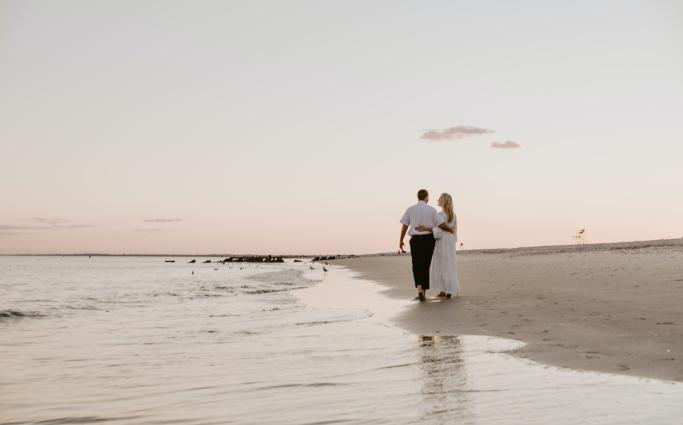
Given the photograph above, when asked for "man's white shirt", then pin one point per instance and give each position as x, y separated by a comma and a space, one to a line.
421, 214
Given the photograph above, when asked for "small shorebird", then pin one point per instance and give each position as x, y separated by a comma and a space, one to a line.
324, 268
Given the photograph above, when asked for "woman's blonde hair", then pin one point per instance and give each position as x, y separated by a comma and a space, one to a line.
447, 206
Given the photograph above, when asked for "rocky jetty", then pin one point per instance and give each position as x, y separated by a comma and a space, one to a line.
254, 259
332, 257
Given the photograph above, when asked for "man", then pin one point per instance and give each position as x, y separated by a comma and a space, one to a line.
421, 243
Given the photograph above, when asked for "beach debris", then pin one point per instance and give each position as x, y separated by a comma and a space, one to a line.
192, 261
169, 261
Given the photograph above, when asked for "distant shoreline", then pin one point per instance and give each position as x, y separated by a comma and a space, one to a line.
525, 249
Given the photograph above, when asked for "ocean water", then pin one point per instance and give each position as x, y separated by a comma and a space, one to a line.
134, 340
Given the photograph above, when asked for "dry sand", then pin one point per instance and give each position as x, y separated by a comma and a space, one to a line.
605, 307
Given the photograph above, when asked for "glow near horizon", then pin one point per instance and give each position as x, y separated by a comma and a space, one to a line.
265, 127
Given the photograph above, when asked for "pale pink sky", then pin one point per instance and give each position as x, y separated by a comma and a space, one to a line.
307, 127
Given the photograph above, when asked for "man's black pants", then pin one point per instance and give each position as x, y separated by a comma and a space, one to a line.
421, 250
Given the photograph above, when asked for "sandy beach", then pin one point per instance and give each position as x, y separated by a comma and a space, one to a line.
602, 307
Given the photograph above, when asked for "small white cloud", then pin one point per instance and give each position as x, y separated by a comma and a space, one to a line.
507, 145
453, 133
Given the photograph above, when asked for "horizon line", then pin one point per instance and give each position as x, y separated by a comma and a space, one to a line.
84, 254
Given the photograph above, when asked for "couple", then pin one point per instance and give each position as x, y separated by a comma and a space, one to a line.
432, 242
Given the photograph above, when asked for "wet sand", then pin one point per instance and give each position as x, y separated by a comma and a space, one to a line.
604, 307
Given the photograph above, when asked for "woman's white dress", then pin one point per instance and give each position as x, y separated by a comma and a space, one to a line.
444, 274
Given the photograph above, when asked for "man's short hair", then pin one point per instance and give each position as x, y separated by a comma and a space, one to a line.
422, 194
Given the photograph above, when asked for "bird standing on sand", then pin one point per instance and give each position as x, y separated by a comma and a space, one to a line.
324, 268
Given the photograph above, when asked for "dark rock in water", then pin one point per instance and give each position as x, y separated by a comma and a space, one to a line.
207, 261
192, 261
298, 261
11, 313
17, 313
169, 261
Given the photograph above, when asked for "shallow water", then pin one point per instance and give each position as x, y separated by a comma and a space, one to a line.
135, 340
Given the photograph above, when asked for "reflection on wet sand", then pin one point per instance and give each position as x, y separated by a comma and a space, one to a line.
444, 387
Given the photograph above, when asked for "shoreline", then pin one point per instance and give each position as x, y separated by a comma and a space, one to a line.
611, 308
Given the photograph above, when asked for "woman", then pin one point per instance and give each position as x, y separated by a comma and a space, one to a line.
444, 274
